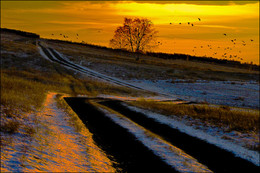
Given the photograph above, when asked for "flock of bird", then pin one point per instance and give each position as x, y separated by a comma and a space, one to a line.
226, 54
188, 22
227, 49
66, 36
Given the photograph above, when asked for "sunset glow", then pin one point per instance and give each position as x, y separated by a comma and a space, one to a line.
95, 23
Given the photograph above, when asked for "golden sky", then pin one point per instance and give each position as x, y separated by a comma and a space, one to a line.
95, 22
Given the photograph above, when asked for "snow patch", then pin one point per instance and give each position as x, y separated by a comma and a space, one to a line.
56, 145
252, 156
173, 156
130, 98
231, 93
42, 53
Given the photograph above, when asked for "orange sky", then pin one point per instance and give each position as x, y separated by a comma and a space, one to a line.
96, 21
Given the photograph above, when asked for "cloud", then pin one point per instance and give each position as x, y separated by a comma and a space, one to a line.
218, 3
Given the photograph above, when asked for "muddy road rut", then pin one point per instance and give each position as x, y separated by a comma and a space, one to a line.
131, 155
128, 153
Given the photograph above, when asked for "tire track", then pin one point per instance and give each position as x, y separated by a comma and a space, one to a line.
129, 154
54, 56
48, 54
215, 158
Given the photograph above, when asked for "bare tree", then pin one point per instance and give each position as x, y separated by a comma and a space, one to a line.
135, 35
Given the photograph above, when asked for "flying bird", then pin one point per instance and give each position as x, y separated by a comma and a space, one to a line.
179, 23
188, 23
192, 24
225, 34
199, 19
251, 40
170, 23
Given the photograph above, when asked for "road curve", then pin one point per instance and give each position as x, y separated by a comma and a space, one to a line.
54, 56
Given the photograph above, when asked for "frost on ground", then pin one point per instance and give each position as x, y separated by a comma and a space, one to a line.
172, 155
131, 98
231, 93
56, 146
214, 136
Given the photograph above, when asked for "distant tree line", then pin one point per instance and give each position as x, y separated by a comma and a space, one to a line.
21, 33
231, 63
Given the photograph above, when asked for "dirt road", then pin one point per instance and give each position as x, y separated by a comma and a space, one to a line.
134, 154
54, 56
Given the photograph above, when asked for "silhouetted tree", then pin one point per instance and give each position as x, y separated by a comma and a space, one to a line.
135, 35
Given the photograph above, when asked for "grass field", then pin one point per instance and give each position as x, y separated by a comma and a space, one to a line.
26, 77
243, 120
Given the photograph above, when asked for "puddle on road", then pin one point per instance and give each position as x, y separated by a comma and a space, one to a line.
56, 146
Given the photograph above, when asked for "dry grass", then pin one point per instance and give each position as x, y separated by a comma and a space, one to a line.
222, 116
26, 90
18, 92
